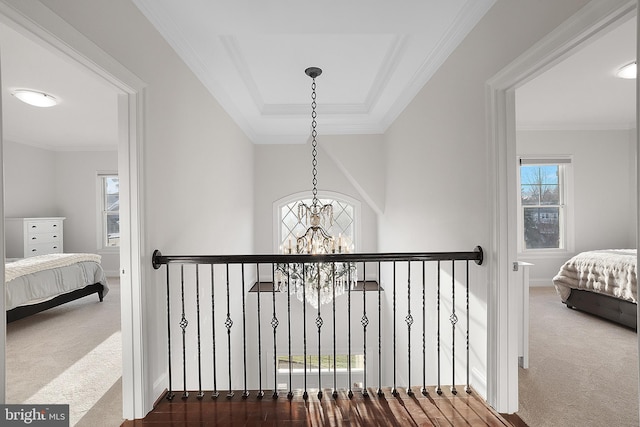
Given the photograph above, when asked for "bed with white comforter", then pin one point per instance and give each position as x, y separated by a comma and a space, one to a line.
610, 273
35, 280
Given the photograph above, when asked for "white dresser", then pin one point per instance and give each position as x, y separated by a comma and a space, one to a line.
27, 237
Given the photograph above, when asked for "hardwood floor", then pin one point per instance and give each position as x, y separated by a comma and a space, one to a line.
433, 410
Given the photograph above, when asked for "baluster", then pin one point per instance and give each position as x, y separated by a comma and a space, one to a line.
379, 391
183, 324
245, 393
319, 326
260, 391
423, 390
350, 394
335, 386
200, 392
438, 388
305, 395
215, 393
409, 320
364, 321
170, 394
274, 325
468, 385
394, 391
453, 319
290, 394
229, 323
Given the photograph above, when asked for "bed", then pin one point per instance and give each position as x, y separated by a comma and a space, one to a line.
601, 282
38, 283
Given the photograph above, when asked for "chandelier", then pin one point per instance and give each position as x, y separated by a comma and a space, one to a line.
317, 283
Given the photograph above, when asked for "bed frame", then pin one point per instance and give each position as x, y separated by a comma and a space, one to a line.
28, 310
619, 311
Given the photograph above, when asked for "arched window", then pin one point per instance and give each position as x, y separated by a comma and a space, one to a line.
346, 218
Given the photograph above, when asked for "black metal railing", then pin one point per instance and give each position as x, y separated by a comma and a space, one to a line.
188, 278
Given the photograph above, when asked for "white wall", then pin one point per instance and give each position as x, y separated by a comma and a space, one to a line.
437, 171
43, 183
604, 195
30, 185
76, 197
282, 170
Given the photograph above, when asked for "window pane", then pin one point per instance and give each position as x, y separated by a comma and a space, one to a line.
542, 227
292, 228
113, 229
530, 194
110, 211
550, 195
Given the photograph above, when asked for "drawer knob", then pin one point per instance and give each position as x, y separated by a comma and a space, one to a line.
33, 238
34, 250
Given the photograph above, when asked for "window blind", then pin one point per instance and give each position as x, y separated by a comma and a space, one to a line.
546, 161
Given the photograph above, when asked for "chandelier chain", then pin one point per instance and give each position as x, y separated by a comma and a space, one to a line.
314, 143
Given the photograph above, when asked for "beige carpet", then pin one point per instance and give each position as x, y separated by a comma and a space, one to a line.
70, 354
583, 370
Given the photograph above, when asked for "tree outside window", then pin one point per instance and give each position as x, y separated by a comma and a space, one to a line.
542, 203
110, 211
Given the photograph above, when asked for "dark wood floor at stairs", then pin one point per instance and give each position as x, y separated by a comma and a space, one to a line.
447, 409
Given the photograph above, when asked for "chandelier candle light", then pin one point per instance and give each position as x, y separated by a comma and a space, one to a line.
317, 283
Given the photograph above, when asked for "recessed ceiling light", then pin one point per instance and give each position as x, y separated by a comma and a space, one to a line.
35, 98
629, 71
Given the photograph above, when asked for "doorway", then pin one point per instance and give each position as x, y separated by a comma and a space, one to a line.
46, 27
503, 306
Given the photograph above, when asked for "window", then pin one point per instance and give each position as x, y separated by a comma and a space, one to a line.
543, 206
325, 363
109, 211
344, 220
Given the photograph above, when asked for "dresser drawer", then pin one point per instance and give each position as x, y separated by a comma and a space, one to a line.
44, 226
35, 238
43, 249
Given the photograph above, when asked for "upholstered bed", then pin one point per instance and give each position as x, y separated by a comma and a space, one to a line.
38, 283
601, 282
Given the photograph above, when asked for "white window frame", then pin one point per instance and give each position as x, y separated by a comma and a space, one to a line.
100, 218
566, 205
278, 204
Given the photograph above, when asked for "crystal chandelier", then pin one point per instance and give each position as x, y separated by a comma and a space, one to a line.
317, 283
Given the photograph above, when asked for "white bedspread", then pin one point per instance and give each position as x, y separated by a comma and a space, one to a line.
34, 264
40, 278
610, 271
